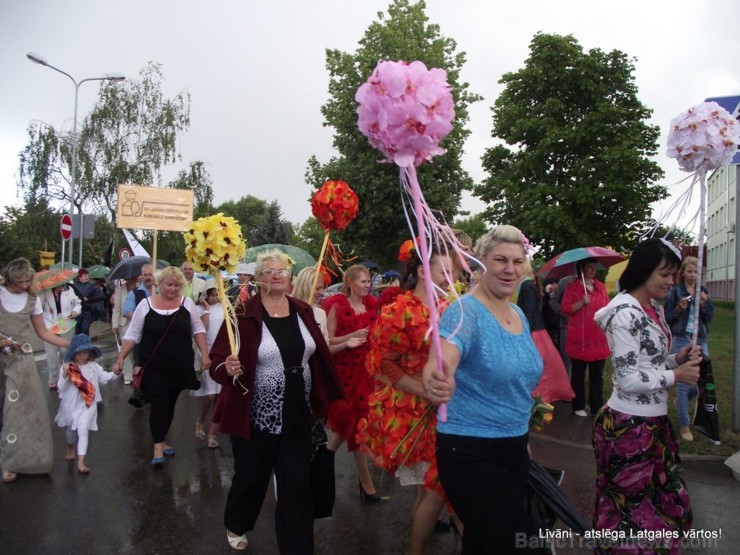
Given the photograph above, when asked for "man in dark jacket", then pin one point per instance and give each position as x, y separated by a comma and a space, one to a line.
92, 297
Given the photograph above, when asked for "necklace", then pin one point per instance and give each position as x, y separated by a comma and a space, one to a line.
501, 315
277, 309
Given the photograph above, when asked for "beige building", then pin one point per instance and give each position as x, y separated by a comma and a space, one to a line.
720, 242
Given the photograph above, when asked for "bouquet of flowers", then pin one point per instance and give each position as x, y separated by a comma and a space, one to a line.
214, 244
542, 414
334, 205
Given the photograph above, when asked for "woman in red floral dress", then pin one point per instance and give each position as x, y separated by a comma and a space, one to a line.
350, 315
400, 429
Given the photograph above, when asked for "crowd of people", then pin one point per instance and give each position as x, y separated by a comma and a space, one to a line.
360, 367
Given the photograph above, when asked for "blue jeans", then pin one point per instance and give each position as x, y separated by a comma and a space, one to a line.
686, 393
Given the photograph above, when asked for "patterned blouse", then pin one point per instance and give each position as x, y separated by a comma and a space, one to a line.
642, 368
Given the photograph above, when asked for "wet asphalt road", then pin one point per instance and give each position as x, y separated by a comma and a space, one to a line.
124, 506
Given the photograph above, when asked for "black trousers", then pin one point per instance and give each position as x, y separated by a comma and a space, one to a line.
595, 384
162, 413
486, 483
289, 456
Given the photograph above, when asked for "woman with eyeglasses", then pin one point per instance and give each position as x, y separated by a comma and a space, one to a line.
273, 389
350, 315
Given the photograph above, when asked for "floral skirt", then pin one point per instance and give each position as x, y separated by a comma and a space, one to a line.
638, 486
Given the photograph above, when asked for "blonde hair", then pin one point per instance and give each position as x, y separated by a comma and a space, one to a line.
302, 287
684, 263
16, 270
353, 274
170, 272
499, 234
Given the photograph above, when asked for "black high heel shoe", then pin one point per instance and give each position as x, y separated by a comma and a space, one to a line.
368, 497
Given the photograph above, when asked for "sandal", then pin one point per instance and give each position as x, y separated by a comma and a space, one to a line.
239, 543
9, 477
212, 442
200, 433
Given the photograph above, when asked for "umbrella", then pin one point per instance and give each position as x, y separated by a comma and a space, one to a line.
59, 265
706, 418
370, 265
300, 257
131, 267
547, 497
51, 278
565, 263
391, 273
98, 271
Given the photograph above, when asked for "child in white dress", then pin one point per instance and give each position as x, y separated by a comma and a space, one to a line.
212, 315
79, 391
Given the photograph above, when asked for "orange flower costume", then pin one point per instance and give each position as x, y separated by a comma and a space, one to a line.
350, 363
400, 429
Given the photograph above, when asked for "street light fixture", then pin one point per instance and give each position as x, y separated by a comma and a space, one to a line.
73, 173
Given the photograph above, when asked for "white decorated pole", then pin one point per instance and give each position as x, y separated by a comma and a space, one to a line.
702, 139
700, 255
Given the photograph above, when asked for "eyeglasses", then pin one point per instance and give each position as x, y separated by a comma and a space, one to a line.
278, 273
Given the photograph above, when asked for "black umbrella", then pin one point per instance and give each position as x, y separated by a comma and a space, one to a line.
131, 267
370, 265
547, 500
706, 418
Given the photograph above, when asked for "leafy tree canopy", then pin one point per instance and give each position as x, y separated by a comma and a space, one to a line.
129, 137
404, 34
577, 167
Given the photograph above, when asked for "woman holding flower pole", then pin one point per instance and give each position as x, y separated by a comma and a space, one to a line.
350, 315
273, 389
399, 349
491, 365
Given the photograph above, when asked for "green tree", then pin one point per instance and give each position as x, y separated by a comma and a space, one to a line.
474, 226
577, 169
275, 229
250, 212
309, 236
129, 137
380, 226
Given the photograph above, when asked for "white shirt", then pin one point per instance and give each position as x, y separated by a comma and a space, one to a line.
136, 325
14, 302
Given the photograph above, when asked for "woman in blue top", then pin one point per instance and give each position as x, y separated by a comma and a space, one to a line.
491, 366
679, 313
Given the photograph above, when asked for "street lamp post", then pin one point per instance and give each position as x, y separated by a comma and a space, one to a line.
73, 172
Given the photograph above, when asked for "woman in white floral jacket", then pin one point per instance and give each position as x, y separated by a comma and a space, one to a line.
639, 486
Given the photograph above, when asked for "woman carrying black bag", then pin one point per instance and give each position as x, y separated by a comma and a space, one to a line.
273, 390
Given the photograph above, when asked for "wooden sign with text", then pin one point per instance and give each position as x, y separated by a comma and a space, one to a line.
154, 208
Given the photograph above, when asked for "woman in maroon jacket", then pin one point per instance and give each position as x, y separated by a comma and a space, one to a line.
586, 344
282, 379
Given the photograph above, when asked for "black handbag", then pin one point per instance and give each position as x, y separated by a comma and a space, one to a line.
321, 479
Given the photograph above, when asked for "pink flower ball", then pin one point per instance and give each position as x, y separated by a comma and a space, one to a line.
405, 110
705, 137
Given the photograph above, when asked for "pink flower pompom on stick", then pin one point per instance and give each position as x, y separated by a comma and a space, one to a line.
705, 137
405, 110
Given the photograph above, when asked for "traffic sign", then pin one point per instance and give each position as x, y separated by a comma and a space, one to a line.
66, 227
124, 253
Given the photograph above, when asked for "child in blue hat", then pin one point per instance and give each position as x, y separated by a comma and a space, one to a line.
79, 391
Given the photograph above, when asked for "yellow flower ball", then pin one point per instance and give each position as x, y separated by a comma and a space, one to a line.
215, 243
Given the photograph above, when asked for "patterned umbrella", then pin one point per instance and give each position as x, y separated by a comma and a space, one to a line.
565, 263
49, 279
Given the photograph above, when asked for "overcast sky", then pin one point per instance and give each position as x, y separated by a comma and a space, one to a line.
256, 70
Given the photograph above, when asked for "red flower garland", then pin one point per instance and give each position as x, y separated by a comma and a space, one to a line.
335, 205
